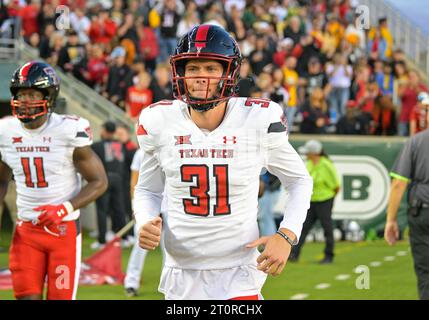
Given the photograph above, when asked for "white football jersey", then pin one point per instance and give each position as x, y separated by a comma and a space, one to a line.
212, 179
42, 161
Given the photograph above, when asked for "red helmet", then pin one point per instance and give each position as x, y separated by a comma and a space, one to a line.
39, 76
212, 43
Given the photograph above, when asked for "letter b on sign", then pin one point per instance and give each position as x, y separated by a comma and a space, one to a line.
356, 187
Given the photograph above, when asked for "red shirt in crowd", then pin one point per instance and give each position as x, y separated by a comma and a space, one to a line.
29, 20
419, 115
137, 100
97, 70
148, 43
409, 100
102, 32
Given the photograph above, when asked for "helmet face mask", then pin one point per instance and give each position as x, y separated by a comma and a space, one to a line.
34, 88
28, 107
206, 43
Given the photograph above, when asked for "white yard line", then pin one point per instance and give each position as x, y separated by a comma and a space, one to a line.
342, 277
322, 286
299, 296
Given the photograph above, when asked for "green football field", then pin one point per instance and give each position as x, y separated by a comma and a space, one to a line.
388, 274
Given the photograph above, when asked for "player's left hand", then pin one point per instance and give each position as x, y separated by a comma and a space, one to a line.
274, 257
51, 214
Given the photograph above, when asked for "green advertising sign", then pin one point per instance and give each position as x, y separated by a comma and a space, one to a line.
363, 165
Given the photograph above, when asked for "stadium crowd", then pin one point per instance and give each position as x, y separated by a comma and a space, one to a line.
310, 56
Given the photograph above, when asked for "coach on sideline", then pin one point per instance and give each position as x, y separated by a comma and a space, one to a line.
411, 170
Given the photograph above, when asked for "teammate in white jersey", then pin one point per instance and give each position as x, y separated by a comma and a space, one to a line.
208, 148
46, 153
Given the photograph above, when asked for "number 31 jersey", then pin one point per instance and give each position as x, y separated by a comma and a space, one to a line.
42, 161
212, 179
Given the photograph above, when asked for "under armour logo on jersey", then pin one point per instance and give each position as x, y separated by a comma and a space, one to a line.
183, 140
16, 140
229, 140
61, 212
47, 139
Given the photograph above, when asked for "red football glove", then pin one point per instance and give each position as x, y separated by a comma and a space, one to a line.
53, 215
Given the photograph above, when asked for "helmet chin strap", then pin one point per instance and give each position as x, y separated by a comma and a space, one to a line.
202, 107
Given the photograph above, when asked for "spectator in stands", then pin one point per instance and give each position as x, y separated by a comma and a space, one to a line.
314, 78
260, 56
56, 44
354, 121
366, 99
117, 12
332, 36
71, 55
103, 28
419, 114
284, 50
170, 12
189, 20
161, 84
279, 93
119, 79
408, 95
381, 40
44, 47
34, 42
128, 28
384, 116
307, 50
385, 79
265, 83
81, 24
247, 79
29, 15
47, 15
139, 96
400, 80
291, 84
112, 154
148, 46
325, 187
340, 74
294, 30
315, 113
97, 69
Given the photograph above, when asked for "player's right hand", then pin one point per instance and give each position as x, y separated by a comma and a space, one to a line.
150, 234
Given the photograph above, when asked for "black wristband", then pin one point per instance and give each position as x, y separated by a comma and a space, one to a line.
289, 240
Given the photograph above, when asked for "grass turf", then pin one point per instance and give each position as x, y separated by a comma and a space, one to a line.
391, 280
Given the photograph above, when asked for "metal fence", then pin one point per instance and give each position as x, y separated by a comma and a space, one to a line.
407, 35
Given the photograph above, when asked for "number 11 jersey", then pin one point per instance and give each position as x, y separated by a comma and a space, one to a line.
42, 161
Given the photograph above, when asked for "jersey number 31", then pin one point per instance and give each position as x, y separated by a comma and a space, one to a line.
200, 205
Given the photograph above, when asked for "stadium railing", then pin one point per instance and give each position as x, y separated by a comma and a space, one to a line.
406, 34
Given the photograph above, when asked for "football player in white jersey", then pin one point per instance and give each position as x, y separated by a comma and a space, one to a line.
46, 153
207, 148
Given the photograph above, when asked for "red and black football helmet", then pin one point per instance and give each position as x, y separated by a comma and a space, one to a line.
39, 76
212, 43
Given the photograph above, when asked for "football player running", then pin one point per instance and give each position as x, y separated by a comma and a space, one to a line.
46, 153
207, 148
